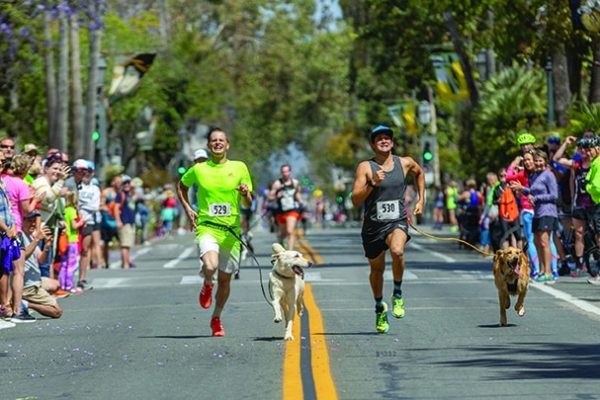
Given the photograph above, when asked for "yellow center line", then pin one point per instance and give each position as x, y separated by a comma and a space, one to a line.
292, 377
321, 371
310, 252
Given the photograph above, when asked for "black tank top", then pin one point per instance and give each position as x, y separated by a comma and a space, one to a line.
384, 207
287, 202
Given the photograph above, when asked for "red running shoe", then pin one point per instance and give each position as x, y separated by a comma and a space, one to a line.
217, 327
205, 297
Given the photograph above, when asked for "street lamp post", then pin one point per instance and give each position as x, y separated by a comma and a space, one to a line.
481, 62
100, 132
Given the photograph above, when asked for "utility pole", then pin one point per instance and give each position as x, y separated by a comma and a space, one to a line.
433, 130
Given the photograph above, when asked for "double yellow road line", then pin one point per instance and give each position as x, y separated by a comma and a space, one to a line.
306, 372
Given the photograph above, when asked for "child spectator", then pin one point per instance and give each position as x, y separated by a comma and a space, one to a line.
69, 259
38, 291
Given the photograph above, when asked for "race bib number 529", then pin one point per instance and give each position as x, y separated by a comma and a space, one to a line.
219, 209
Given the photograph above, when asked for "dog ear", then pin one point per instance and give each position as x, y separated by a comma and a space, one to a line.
524, 258
277, 248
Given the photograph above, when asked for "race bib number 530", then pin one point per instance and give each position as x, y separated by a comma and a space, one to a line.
219, 209
388, 210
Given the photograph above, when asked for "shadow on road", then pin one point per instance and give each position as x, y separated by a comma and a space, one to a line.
176, 337
497, 326
518, 361
268, 339
346, 334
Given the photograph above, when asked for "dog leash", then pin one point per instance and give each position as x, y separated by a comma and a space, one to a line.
429, 235
249, 250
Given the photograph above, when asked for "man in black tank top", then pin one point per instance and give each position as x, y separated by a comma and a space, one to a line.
379, 184
286, 192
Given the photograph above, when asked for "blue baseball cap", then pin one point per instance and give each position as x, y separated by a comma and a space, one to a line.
381, 129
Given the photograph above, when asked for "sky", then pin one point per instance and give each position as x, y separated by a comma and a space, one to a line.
333, 5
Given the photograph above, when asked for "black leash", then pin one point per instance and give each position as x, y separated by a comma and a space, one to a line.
248, 249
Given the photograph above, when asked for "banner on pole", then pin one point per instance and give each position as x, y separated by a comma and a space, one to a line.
127, 75
403, 116
451, 83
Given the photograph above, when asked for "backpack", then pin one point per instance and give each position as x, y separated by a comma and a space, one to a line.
507, 205
111, 205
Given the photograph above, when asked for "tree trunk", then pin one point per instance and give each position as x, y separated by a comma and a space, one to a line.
50, 81
463, 57
575, 64
562, 93
164, 23
76, 95
92, 93
62, 121
595, 81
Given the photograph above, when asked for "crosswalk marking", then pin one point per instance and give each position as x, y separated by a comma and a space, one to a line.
190, 280
182, 256
108, 283
316, 277
444, 257
408, 276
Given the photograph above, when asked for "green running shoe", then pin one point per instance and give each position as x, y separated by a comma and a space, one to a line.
398, 307
381, 321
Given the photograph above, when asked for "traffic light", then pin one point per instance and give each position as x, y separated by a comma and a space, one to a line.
427, 153
181, 168
96, 131
427, 150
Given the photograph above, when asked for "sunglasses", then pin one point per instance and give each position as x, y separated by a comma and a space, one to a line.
5, 146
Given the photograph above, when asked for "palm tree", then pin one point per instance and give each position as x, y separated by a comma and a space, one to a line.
513, 99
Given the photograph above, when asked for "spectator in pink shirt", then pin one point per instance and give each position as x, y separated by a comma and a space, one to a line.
20, 194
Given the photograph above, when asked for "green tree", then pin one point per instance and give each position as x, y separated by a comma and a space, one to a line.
511, 100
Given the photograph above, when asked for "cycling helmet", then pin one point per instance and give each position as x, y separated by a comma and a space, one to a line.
525, 138
587, 142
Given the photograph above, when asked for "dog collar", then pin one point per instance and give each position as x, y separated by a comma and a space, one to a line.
281, 276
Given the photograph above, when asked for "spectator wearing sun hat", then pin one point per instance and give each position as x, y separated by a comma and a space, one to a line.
200, 156
89, 206
31, 150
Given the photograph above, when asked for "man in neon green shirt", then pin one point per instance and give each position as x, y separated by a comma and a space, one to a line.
593, 188
222, 186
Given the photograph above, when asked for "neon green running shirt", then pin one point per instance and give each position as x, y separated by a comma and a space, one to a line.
452, 194
218, 197
70, 217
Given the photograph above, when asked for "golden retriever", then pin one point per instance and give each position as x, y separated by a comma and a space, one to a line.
287, 285
511, 275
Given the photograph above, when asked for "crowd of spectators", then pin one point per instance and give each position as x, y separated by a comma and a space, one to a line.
546, 201
58, 221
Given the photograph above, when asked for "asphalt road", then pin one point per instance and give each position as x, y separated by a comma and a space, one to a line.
140, 334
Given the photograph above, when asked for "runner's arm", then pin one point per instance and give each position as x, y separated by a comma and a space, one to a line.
246, 195
563, 147
363, 185
273, 192
298, 193
417, 172
182, 193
